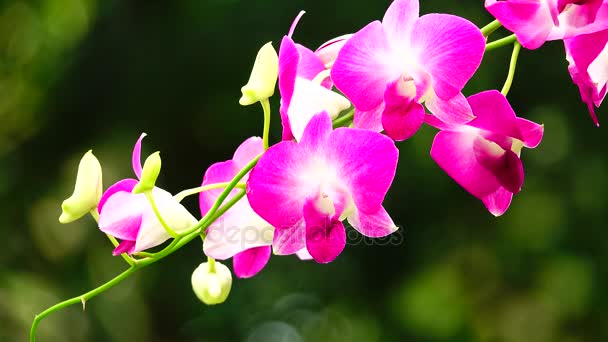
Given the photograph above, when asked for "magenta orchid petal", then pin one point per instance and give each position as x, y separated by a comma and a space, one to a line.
434, 121
498, 202
310, 66
402, 117
271, 190
251, 261
449, 48
247, 152
290, 239
216, 173
574, 18
370, 120
136, 158
377, 224
493, 113
531, 132
125, 185
325, 234
587, 56
121, 215
530, 20
399, 20
317, 132
367, 162
505, 165
365, 66
125, 246
289, 58
455, 110
453, 152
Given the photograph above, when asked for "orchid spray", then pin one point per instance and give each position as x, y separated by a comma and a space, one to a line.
342, 107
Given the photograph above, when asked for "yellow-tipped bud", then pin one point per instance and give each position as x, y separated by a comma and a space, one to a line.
211, 282
149, 174
87, 191
263, 77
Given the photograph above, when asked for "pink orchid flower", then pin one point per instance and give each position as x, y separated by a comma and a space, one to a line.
240, 233
389, 68
130, 218
306, 189
305, 87
483, 155
537, 21
587, 56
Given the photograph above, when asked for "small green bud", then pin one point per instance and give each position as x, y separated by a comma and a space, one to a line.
211, 282
87, 191
263, 77
149, 174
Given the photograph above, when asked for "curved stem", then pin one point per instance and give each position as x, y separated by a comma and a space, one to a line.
189, 192
266, 107
150, 198
512, 66
501, 42
345, 119
180, 242
490, 28
79, 299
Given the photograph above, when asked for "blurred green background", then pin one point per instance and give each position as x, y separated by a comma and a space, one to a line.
81, 74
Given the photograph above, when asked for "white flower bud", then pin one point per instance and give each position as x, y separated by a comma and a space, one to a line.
211, 282
263, 77
87, 190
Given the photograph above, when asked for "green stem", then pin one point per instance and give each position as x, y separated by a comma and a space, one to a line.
188, 192
266, 107
211, 262
150, 198
345, 119
79, 299
501, 42
490, 28
512, 66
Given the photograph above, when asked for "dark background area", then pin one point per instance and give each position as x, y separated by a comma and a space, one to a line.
82, 74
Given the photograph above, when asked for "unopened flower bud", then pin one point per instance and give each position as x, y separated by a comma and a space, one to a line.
211, 282
87, 190
149, 174
263, 77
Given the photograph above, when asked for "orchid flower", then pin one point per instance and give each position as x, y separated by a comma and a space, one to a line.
389, 68
537, 21
306, 189
588, 59
305, 87
483, 155
130, 217
240, 233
